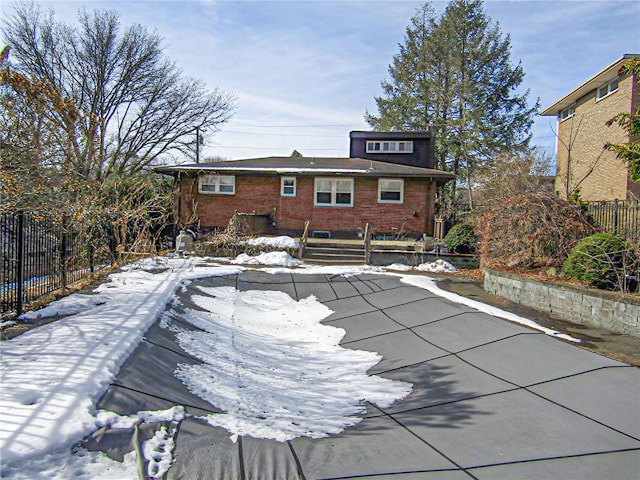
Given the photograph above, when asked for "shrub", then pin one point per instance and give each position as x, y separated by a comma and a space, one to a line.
461, 238
530, 231
604, 260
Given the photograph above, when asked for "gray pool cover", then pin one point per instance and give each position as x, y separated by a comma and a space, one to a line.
490, 399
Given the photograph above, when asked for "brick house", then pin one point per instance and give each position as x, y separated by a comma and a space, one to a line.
389, 181
582, 163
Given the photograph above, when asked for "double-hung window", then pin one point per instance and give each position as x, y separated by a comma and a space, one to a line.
217, 184
333, 192
390, 190
607, 89
288, 186
568, 112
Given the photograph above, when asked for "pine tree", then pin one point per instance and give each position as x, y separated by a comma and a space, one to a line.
454, 72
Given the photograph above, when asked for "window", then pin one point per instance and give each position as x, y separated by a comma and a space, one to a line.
220, 184
607, 89
330, 192
567, 112
390, 190
288, 186
389, 147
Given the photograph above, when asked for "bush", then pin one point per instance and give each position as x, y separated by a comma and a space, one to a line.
461, 238
530, 231
604, 260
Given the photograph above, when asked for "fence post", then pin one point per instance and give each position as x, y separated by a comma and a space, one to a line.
63, 252
91, 254
20, 265
615, 216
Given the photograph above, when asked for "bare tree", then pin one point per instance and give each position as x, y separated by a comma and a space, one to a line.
513, 173
577, 168
136, 105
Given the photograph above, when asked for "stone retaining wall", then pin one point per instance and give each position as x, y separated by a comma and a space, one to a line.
609, 310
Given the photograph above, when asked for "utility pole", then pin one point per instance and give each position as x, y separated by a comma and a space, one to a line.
197, 144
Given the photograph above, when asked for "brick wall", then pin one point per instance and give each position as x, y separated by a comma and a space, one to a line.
584, 135
261, 194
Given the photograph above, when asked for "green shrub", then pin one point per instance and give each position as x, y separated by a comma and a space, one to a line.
603, 260
461, 238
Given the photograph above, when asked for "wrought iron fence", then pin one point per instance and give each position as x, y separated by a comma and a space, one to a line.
621, 217
39, 255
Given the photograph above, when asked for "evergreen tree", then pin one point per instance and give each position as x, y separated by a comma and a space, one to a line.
454, 72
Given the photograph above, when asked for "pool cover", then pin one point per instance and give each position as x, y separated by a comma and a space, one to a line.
489, 399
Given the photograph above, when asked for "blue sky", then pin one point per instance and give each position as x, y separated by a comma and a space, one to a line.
305, 72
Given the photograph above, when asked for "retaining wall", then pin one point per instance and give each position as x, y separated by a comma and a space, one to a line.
613, 311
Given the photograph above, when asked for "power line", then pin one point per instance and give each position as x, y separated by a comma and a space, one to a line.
275, 148
283, 134
302, 126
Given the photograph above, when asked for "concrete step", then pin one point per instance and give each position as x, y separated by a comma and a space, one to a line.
334, 253
333, 257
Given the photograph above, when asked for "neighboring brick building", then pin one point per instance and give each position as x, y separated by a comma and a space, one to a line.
382, 187
582, 163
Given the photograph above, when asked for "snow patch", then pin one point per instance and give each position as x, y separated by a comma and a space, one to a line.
158, 452
430, 285
52, 375
105, 418
70, 305
439, 266
268, 258
273, 242
398, 267
274, 369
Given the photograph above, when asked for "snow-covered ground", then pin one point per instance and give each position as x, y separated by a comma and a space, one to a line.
52, 376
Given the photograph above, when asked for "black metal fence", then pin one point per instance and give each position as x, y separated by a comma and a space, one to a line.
621, 217
40, 255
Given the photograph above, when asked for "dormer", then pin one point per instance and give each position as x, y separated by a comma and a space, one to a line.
415, 149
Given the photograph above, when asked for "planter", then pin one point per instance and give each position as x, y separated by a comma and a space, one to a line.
613, 311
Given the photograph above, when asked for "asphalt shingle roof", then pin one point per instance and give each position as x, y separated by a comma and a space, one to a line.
311, 166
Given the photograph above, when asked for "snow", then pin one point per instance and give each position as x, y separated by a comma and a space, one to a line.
268, 258
439, 266
430, 285
398, 267
65, 306
52, 375
274, 242
261, 346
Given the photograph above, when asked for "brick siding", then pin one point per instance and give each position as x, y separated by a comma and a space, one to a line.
586, 133
261, 195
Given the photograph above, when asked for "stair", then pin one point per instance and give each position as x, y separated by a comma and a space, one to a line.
325, 251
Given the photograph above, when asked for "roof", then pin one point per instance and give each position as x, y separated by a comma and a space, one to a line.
604, 76
390, 135
311, 166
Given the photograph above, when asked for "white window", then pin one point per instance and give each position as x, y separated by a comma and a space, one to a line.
333, 192
568, 112
607, 89
219, 184
376, 146
390, 190
288, 186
